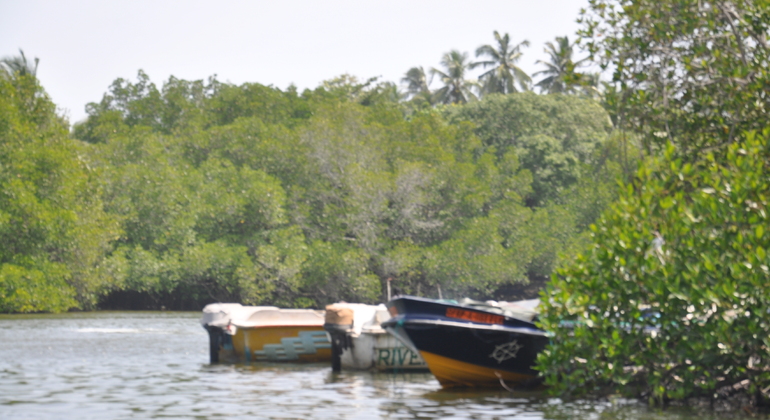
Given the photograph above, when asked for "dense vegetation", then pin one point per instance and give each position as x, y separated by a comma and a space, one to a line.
55, 232
202, 191
671, 302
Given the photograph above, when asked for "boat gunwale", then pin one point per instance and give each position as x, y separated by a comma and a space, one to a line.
470, 325
413, 315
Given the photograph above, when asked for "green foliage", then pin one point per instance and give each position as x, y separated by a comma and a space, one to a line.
457, 88
669, 303
349, 88
187, 106
197, 232
560, 74
473, 260
306, 208
693, 73
417, 89
552, 136
338, 271
237, 203
35, 289
198, 192
681, 318
229, 103
281, 257
18, 66
504, 73
52, 226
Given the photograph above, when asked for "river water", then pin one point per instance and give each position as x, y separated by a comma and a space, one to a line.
139, 365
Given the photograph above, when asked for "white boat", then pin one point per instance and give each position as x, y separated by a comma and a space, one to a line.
240, 333
360, 343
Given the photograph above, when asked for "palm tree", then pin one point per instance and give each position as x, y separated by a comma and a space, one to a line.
560, 74
456, 90
18, 66
416, 81
417, 85
504, 74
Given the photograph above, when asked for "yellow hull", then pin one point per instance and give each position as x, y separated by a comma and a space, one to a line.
450, 372
298, 344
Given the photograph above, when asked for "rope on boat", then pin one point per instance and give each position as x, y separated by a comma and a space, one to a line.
502, 382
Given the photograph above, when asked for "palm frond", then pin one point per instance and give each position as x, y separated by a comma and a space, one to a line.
560, 73
416, 81
505, 74
456, 88
19, 66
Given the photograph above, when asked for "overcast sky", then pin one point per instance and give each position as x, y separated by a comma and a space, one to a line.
84, 45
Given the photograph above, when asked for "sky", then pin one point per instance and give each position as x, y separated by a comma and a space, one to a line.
84, 45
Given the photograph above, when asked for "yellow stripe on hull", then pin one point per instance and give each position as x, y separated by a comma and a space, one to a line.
450, 372
282, 344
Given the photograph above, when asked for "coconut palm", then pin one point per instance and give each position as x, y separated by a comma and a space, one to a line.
417, 85
560, 75
457, 89
504, 74
416, 82
18, 66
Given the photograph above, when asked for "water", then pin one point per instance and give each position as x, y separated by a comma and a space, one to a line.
139, 365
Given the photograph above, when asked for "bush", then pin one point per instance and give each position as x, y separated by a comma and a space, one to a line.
686, 319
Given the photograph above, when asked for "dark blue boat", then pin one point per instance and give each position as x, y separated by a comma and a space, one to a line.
470, 344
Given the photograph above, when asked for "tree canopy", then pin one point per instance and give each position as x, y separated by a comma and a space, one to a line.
691, 73
54, 230
669, 303
191, 192
680, 316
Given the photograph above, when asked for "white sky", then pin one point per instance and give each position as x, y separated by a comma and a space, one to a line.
84, 45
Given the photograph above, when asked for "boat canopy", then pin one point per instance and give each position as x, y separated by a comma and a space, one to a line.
222, 314
227, 315
282, 317
525, 310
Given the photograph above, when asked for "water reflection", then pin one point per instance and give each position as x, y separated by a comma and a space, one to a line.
136, 365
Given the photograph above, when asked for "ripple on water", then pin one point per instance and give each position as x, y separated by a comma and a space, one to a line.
138, 365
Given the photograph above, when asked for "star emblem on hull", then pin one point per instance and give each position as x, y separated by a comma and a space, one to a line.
506, 351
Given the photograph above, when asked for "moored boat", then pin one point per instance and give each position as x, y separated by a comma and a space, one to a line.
265, 333
360, 343
472, 344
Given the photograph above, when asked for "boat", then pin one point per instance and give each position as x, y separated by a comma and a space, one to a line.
360, 343
471, 343
240, 333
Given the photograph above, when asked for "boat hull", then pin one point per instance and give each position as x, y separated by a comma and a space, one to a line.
359, 343
240, 333
298, 344
465, 355
391, 355
377, 351
467, 347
